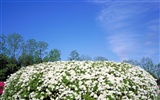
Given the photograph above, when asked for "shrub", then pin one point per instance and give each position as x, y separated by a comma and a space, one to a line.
81, 80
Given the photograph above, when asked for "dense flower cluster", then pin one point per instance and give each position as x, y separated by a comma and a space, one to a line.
81, 80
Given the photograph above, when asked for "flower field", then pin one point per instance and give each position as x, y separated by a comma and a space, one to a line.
81, 80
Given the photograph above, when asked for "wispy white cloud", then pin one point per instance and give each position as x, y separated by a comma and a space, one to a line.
122, 14
153, 25
99, 1
105, 1
131, 27
122, 44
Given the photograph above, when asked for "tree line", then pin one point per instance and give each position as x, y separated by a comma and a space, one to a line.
147, 64
16, 53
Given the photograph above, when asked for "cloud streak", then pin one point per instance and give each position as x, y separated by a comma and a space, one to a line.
122, 44
132, 28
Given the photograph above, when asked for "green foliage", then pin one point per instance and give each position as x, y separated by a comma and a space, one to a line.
133, 62
3, 64
99, 58
74, 55
147, 64
14, 53
26, 57
158, 98
151, 73
14, 41
3, 44
46, 59
25, 60
3, 74
8, 66
3, 61
85, 58
41, 47
157, 71
31, 46
37, 60
87, 97
54, 55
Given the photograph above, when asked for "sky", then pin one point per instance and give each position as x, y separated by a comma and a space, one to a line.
116, 29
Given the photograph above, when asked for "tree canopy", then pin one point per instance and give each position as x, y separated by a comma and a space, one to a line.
74, 55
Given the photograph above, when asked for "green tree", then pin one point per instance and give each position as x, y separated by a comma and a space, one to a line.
8, 66
3, 67
74, 55
25, 60
31, 46
100, 58
14, 42
3, 61
85, 58
46, 58
3, 75
132, 62
41, 47
31, 51
147, 64
22, 57
37, 57
157, 71
28, 55
54, 55
3, 44
9, 48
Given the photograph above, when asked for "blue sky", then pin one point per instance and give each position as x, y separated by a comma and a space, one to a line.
115, 29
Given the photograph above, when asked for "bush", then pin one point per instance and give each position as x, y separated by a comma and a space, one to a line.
81, 80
